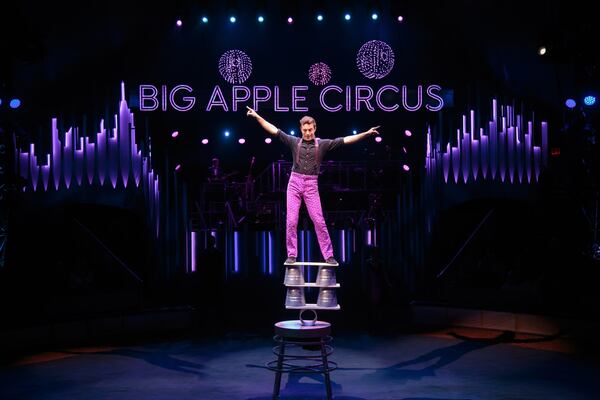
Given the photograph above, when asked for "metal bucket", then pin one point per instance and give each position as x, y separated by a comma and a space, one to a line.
326, 277
327, 298
295, 297
294, 275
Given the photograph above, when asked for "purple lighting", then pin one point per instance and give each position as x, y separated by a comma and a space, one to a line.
236, 251
406, 167
112, 153
179, 22
235, 66
408, 133
375, 59
268, 140
290, 20
378, 139
241, 140
193, 250
177, 167
319, 74
174, 134
204, 141
501, 149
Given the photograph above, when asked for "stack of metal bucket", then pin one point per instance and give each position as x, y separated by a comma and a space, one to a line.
295, 283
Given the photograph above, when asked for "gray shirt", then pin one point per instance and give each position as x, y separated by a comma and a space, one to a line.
307, 158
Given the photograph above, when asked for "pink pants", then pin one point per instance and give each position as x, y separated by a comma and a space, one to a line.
305, 187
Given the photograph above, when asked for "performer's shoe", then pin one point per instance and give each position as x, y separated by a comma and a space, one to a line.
290, 260
332, 261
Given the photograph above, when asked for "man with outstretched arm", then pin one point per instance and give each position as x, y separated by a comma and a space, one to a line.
307, 153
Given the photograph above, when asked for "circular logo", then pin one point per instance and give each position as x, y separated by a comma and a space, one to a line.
319, 74
235, 66
375, 59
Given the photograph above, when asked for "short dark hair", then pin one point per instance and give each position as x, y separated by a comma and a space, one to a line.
308, 120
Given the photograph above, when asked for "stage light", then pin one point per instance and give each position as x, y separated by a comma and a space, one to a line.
205, 20
406, 167
174, 134
404, 150
292, 132
374, 16
204, 141
268, 140
319, 17
179, 22
347, 17
408, 133
378, 139
542, 50
400, 18
0, 102
15, 103
261, 18
354, 131
241, 140
587, 100
177, 167
570, 103
290, 20
226, 133
232, 19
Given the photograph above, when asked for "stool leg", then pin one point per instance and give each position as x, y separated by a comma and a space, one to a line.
326, 370
278, 373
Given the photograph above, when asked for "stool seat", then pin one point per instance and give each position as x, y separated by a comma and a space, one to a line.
295, 329
302, 349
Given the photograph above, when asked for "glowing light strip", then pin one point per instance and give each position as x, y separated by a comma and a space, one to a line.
493, 154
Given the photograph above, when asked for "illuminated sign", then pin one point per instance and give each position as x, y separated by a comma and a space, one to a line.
332, 98
374, 60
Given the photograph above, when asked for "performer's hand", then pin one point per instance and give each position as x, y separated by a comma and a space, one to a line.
251, 112
373, 130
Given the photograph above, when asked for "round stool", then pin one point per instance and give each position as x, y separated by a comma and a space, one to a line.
292, 336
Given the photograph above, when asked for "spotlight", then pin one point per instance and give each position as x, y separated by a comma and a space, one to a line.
177, 167
347, 17
378, 139
374, 16
179, 22
354, 131
241, 140
400, 18
232, 19
587, 100
292, 132
408, 133
261, 18
268, 140
542, 50
570, 103
226, 133
205, 20
0, 102
290, 20
406, 167
174, 134
14, 103
404, 150
204, 141
319, 17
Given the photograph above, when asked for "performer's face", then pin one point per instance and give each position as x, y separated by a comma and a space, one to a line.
308, 131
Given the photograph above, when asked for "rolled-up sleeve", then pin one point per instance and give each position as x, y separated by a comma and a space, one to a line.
335, 143
286, 139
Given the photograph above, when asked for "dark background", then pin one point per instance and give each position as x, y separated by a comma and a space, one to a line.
68, 61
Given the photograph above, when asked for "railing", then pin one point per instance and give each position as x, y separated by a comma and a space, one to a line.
337, 176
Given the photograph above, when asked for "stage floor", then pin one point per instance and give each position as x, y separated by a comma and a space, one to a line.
432, 366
